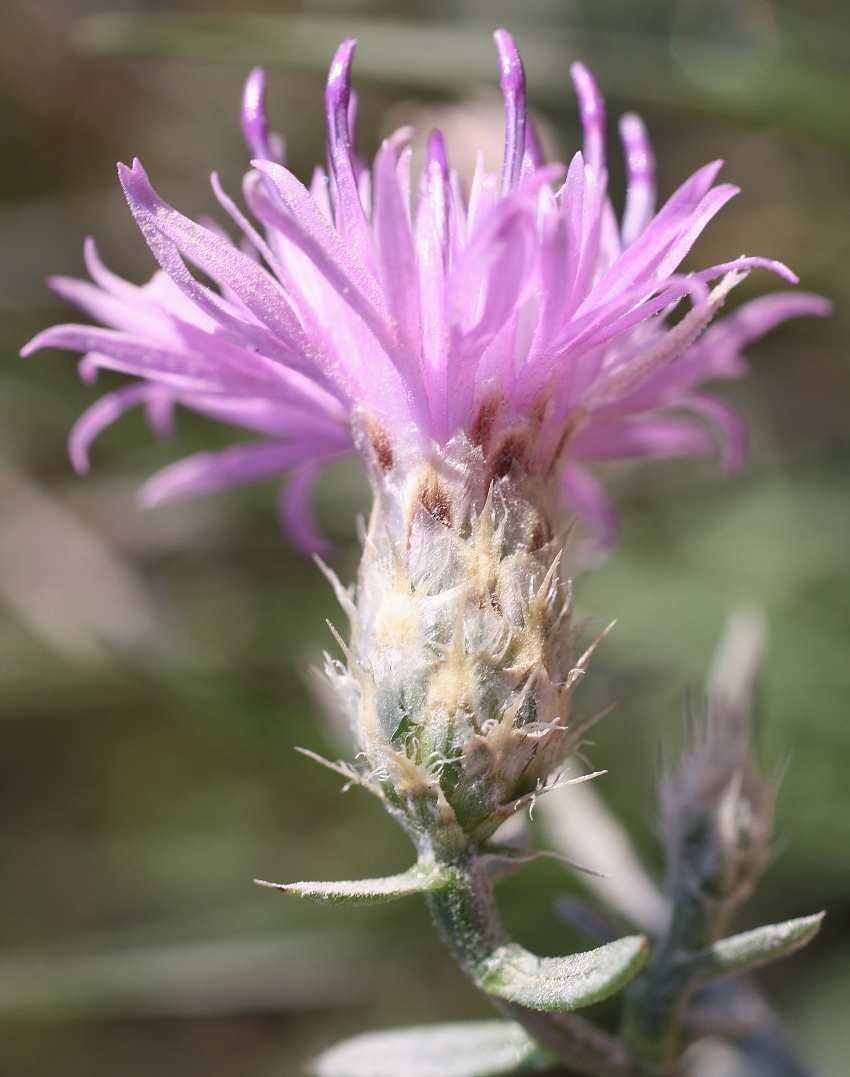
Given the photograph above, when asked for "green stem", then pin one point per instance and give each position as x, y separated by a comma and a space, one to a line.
468, 921
656, 999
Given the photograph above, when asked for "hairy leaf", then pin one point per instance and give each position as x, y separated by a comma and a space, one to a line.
419, 878
561, 983
740, 953
465, 1049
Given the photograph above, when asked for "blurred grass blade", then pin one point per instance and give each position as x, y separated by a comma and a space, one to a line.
411, 53
297, 970
793, 92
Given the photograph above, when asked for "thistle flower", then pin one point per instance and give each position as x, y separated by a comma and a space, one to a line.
523, 319
478, 352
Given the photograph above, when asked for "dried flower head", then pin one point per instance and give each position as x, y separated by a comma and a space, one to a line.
522, 318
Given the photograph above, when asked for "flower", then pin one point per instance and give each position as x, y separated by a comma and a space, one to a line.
523, 318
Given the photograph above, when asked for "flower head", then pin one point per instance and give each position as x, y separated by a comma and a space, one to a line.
522, 318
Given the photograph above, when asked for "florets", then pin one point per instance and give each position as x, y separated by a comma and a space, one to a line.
521, 316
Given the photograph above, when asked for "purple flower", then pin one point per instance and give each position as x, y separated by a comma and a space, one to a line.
522, 316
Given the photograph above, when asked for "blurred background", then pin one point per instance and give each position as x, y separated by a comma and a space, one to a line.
151, 664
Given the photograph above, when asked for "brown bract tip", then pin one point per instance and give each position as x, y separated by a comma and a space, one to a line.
513, 449
482, 424
380, 443
435, 498
541, 534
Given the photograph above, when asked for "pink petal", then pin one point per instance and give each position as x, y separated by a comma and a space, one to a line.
727, 423
101, 414
586, 497
640, 178
592, 109
296, 513
169, 232
137, 316
512, 80
305, 227
206, 472
396, 254
654, 435
350, 218
254, 125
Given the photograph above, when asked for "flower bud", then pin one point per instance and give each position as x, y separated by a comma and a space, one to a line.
460, 667
717, 809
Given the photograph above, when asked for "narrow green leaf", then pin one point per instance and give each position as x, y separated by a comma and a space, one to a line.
740, 953
419, 878
465, 1049
561, 983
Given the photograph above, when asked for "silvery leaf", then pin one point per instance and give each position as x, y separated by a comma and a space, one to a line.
419, 878
746, 951
561, 983
465, 1049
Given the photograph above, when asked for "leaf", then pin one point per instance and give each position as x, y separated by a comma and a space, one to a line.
740, 953
420, 878
561, 983
464, 1049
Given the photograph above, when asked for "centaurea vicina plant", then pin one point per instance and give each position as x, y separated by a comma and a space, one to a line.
479, 351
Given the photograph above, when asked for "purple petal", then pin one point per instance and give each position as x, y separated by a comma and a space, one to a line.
244, 372
562, 295
87, 369
747, 262
101, 414
512, 81
655, 435
622, 312
396, 254
320, 193
209, 368
433, 201
486, 285
169, 232
622, 380
592, 109
107, 280
533, 146
727, 423
640, 178
304, 226
713, 202
206, 472
643, 259
753, 319
586, 497
254, 124
296, 513
280, 419
248, 230
717, 353
159, 411
138, 316
350, 218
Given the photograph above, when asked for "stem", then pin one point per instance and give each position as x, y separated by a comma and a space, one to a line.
468, 921
656, 999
